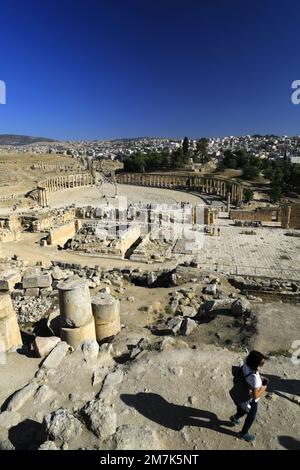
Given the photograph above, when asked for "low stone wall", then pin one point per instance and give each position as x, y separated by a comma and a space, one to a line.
127, 239
290, 215
260, 214
47, 221
9, 235
59, 235
11, 222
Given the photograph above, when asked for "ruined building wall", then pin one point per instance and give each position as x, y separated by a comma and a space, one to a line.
290, 216
59, 235
48, 221
11, 222
9, 236
261, 214
127, 239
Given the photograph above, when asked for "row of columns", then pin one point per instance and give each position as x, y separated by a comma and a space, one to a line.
205, 185
71, 181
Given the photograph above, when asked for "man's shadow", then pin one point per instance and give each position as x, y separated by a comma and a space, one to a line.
280, 386
159, 410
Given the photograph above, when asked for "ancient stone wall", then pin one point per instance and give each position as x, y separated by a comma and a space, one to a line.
290, 215
261, 214
127, 239
49, 220
11, 222
204, 184
59, 235
7, 235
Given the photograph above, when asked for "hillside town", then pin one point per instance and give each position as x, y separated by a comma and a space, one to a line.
265, 147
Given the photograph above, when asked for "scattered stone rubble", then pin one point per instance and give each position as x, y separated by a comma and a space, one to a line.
73, 395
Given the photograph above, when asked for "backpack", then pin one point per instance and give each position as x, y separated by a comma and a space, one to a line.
240, 390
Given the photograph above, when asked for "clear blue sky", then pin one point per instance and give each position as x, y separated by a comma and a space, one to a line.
86, 69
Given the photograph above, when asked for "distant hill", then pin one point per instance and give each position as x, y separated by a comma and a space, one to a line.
10, 139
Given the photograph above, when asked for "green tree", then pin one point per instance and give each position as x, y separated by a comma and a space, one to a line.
250, 171
185, 146
135, 163
201, 150
229, 159
276, 193
242, 158
248, 195
277, 183
178, 158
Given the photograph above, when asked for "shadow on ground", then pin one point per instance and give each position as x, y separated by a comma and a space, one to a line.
27, 435
175, 417
289, 442
278, 385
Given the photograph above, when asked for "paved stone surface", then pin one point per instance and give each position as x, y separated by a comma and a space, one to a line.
268, 253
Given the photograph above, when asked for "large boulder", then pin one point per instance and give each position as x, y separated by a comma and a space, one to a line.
174, 324
211, 289
62, 426
57, 354
9, 279
90, 350
240, 307
100, 419
58, 274
187, 326
36, 279
9, 419
22, 396
48, 445
44, 345
151, 278
134, 437
188, 311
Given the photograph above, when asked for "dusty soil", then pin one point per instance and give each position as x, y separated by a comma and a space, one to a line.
278, 325
19, 177
130, 194
181, 394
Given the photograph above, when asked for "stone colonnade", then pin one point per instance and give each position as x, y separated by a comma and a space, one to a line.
71, 181
206, 185
56, 183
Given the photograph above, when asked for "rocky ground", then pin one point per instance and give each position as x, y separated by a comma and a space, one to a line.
172, 398
163, 381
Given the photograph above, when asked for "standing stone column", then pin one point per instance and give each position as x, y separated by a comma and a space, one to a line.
45, 201
228, 201
10, 336
106, 311
234, 195
77, 322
